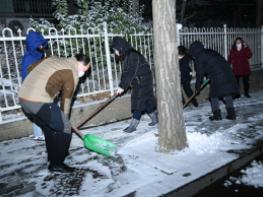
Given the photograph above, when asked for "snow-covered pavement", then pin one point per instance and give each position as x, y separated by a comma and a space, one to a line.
139, 170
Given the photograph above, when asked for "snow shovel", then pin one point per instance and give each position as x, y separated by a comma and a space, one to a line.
93, 142
97, 144
196, 93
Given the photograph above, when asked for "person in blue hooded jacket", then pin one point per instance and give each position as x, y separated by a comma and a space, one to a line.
35, 50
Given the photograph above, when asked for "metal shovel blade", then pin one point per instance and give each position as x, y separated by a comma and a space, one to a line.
99, 145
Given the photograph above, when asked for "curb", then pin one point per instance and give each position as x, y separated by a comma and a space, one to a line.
204, 181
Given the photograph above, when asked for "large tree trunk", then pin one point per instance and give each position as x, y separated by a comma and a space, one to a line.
171, 122
259, 13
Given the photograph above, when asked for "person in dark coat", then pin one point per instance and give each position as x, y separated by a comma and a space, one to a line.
185, 70
222, 81
136, 74
239, 57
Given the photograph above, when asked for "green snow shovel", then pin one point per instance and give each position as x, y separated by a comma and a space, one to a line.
93, 142
97, 144
195, 94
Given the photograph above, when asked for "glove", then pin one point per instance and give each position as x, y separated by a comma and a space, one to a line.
119, 91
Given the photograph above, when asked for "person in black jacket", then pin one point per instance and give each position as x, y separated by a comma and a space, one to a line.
222, 81
136, 74
185, 70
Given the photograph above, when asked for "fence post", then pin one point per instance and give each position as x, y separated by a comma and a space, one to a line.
225, 41
261, 48
107, 51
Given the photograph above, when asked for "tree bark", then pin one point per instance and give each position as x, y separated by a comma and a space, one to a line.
171, 122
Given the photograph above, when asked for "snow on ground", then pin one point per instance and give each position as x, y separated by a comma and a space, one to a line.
251, 176
139, 169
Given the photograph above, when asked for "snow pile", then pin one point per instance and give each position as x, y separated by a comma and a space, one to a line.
198, 143
204, 144
253, 175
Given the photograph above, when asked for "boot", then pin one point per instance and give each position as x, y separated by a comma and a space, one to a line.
231, 115
247, 95
154, 118
237, 96
63, 168
216, 115
132, 127
194, 102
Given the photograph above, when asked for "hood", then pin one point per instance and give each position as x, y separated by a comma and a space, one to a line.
196, 48
120, 44
34, 40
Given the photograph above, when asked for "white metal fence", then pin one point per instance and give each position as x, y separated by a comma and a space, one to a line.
221, 39
96, 43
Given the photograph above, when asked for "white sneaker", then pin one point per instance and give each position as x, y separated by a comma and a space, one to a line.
39, 138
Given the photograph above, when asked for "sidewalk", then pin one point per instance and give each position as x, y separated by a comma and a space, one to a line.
139, 170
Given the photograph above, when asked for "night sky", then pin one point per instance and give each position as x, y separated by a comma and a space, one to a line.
213, 13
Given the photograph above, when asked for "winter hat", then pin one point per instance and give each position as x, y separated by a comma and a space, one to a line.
120, 44
196, 49
34, 40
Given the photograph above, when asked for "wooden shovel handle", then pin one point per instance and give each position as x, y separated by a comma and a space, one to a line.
98, 110
78, 133
194, 95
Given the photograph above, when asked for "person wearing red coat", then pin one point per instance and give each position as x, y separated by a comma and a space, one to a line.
239, 57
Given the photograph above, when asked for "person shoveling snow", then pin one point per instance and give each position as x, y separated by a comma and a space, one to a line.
49, 78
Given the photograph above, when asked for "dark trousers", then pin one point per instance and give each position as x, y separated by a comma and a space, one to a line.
50, 119
215, 103
245, 79
149, 108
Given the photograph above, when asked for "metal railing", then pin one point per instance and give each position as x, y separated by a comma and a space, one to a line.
221, 39
106, 72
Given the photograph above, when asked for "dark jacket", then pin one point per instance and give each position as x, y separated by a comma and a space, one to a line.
185, 69
240, 60
136, 73
32, 55
211, 64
